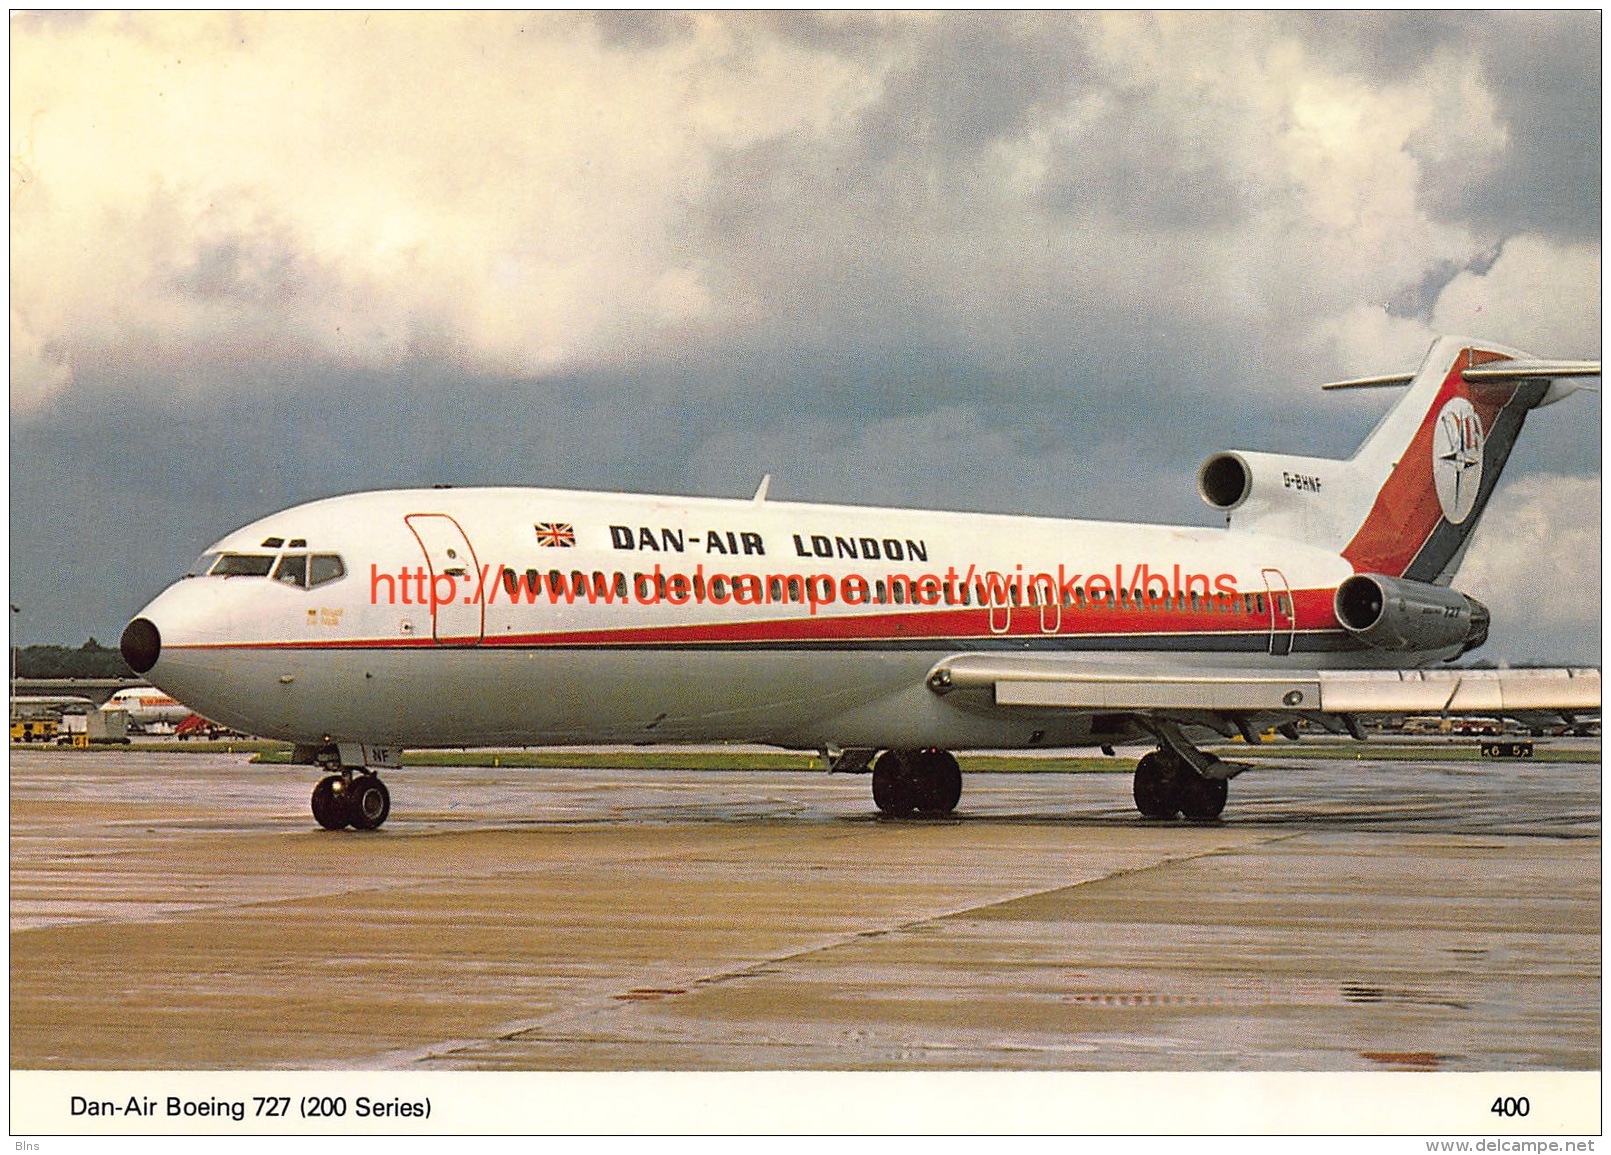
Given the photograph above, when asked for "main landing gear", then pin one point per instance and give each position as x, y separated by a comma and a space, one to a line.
1167, 785
926, 781
359, 800
1178, 778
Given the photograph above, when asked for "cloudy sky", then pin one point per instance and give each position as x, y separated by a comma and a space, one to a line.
1042, 263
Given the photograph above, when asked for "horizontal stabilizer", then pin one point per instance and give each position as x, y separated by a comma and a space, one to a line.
1513, 369
1523, 370
1391, 380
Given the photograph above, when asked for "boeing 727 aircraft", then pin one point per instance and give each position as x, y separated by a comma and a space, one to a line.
360, 625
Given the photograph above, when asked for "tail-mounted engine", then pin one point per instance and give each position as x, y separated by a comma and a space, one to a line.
1397, 614
1306, 499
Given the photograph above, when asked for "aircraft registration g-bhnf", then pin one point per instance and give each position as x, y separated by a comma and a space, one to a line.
357, 626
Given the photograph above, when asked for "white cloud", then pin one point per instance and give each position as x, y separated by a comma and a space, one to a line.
1535, 562
520, 192
509, 183
1539, 296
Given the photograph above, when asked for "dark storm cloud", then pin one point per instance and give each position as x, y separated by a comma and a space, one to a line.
1138, 168
1545, 71
969, 81
1381, 46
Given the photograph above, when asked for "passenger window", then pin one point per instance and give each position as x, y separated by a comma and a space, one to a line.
324, 567
293, 570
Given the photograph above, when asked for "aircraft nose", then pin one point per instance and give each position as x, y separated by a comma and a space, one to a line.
141, 644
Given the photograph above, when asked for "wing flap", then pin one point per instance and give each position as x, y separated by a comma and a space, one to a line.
1055, 682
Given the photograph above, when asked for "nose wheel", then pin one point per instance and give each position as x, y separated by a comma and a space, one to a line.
360, 801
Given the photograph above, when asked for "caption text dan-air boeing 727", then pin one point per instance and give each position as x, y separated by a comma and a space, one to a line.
361, 625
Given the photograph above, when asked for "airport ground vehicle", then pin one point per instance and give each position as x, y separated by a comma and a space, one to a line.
34, 730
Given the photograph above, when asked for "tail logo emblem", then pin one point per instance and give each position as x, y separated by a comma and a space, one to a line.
1457, 459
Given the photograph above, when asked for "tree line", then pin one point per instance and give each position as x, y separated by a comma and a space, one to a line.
91, 660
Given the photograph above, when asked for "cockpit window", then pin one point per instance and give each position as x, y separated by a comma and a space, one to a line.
243, 565
202, 565
324, 567
305, 571
293, 570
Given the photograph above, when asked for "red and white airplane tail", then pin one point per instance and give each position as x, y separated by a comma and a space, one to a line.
1406, 503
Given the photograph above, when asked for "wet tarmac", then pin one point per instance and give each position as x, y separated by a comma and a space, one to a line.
182, 912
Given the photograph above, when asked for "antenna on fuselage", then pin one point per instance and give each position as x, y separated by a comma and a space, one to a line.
760, 492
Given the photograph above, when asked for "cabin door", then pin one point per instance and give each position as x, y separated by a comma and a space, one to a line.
1283, 617
453, 580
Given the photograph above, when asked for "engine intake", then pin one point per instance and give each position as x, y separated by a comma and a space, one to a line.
1397, 614
1225, 480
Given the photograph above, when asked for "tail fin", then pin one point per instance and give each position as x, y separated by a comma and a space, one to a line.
1406, 503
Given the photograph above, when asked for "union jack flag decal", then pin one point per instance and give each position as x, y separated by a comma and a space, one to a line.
555, 533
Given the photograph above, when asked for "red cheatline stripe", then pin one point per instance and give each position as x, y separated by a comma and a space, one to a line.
1313, 607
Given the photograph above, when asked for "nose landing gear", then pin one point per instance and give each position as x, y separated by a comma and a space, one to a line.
345, 799
352, 793
331, 804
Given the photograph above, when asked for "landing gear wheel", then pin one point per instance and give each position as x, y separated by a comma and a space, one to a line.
938, 782
895, 787
330, 802
1202, 799
1156, 791
371, 802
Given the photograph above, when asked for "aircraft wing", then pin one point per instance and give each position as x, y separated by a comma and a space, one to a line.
1232, 700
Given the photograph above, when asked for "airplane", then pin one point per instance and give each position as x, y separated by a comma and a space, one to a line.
148, 706
359, 625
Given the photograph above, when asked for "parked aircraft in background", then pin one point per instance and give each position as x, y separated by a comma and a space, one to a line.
148, 706
360, 625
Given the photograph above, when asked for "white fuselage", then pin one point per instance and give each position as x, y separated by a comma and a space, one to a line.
694, 619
